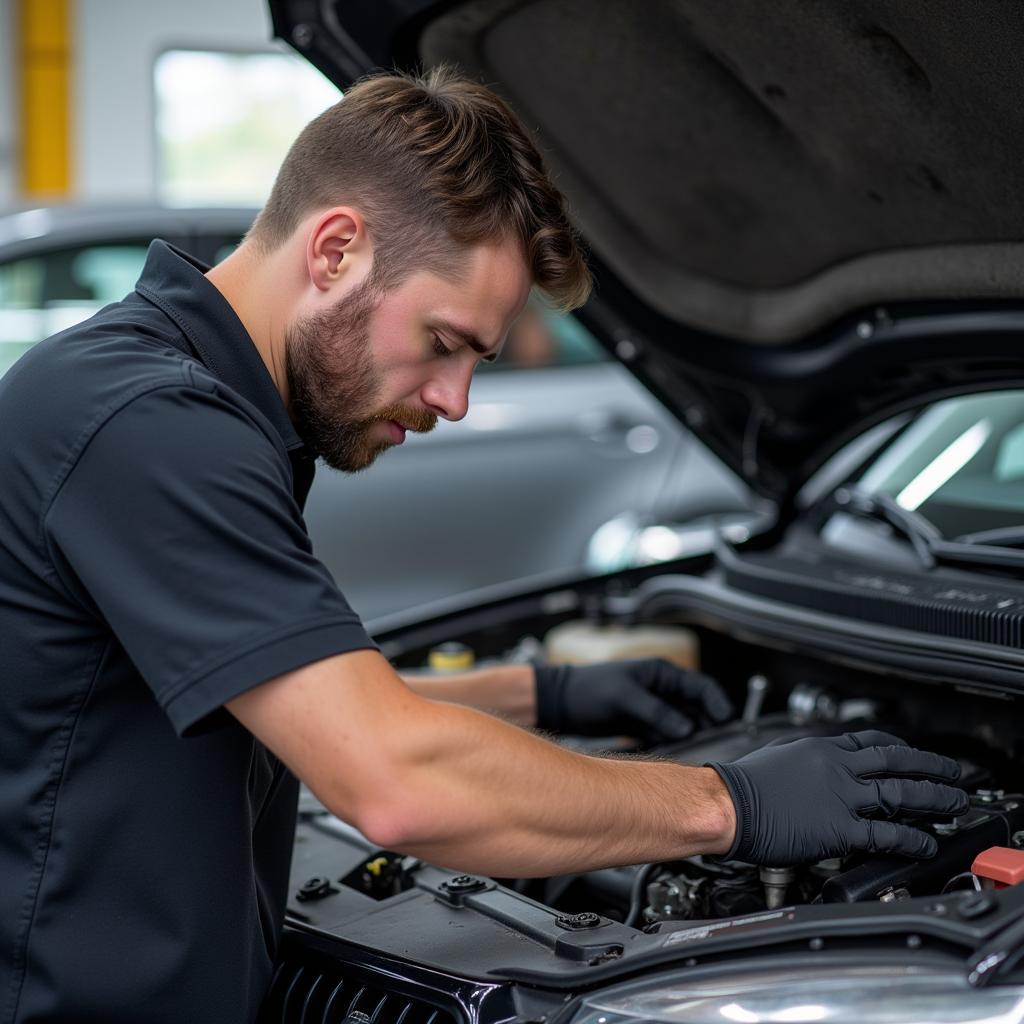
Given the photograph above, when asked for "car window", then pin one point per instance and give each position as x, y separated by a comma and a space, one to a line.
543, 338
48, 292
960, 464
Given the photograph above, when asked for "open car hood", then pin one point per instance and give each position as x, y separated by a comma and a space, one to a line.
803, 217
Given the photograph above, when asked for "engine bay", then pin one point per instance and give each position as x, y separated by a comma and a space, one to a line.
707, 888
360, 917
780, 696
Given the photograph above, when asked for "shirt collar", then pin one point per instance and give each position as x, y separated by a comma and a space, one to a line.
176, 284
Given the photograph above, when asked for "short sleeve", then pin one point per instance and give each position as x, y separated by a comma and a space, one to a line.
177, 525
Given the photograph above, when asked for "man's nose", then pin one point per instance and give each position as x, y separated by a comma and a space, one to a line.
448, 396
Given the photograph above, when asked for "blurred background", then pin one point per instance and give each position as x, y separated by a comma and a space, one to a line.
125, 120
118, 100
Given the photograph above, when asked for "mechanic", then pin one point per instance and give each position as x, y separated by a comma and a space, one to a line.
173, 656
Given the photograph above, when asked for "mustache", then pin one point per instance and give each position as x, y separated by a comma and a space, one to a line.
417, 420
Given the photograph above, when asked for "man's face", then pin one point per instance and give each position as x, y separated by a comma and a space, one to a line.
370, 367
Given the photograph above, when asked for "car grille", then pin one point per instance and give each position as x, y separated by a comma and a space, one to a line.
311, 989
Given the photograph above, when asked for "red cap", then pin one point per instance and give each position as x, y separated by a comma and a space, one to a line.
1001, 865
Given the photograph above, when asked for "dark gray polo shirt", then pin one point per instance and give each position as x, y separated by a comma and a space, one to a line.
153, 565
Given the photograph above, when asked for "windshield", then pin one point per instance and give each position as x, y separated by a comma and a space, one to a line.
960, 464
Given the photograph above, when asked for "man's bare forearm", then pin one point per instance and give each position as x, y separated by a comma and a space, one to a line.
484, 796
507, 691
469, 790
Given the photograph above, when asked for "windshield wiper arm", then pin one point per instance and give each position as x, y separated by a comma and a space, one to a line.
1004, 536
878, 505
925, 538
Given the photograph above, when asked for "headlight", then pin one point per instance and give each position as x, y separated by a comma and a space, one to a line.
841, 995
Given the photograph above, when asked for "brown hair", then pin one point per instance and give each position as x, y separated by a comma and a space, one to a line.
434, 163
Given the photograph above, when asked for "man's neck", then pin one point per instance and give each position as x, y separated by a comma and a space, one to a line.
252, 287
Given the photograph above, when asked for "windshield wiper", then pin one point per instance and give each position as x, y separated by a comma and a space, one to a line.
1004, 536
879, 506
923, 536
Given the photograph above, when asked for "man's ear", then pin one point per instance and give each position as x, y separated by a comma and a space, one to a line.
337, 248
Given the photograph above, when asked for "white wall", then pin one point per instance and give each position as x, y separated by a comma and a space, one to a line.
116, 44
8, 166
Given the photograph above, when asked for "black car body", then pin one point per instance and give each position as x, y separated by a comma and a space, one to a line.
807, 223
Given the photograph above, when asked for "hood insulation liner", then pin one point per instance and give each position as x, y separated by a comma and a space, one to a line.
758, 169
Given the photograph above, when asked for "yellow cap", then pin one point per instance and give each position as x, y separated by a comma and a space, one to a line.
375, 867
451, 657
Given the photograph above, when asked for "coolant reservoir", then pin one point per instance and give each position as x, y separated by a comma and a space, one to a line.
580, 643
451, 656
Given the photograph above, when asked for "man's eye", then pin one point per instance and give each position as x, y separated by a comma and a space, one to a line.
440, 347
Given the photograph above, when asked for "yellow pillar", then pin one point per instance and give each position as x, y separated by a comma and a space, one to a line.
44, 86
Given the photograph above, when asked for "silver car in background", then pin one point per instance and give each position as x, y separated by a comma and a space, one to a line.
561, 463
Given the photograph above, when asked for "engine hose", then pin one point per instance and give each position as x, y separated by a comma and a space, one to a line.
637, 892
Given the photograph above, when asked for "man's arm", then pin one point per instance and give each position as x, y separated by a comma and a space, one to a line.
649, 698
461, 788
508, 691
464, 789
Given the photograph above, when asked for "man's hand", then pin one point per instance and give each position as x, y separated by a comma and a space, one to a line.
651, 699
825, 796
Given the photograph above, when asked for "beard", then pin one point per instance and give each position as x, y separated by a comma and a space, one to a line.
334, 386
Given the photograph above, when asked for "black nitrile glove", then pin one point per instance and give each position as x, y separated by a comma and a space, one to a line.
822, 796
651, 699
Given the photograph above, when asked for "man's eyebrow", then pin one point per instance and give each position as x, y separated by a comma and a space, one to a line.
468, 338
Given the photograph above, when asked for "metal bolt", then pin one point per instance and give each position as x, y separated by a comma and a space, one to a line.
865, 329
463, 883
816, 944
626, 350
694, 416
302, 35
757, 688
811, 703
776, 882
913, 942
314, 889
990, 796
577, 922
894, 895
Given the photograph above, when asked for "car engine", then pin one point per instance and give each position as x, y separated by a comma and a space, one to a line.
709, 888
359, 916
703, 888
